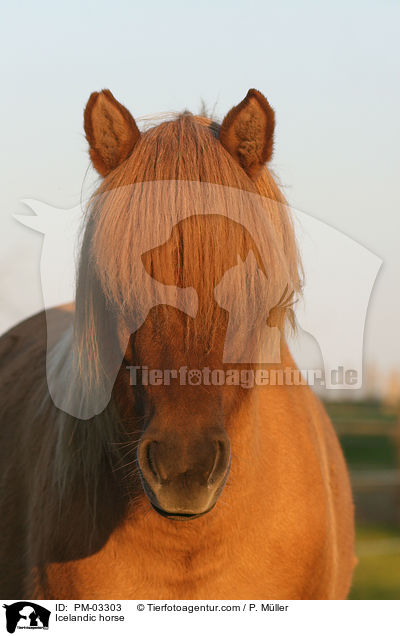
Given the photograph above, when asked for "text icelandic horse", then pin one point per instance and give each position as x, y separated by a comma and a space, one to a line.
169, 489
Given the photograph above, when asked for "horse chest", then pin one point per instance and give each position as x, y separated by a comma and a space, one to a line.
139, 572
140, 565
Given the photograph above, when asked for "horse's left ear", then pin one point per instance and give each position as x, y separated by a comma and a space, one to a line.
110, 130
247, 132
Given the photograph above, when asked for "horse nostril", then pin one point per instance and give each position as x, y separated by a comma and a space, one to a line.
148, 461
221, 462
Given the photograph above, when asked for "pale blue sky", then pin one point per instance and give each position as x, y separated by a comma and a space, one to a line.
330, 70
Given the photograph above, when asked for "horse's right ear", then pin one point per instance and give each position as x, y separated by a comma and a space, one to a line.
110, 130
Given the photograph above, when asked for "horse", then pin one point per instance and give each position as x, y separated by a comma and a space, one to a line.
168, 487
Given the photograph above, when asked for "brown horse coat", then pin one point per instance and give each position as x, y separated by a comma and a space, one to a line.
75, 520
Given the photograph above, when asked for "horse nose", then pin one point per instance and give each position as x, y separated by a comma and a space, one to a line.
184, 475
161, 462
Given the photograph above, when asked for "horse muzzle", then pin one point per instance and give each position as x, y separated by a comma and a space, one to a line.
183, 474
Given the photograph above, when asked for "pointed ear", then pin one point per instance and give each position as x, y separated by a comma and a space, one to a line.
110, 130
247, 132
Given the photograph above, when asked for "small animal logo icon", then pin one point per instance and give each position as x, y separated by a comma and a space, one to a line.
194, 376
26, 615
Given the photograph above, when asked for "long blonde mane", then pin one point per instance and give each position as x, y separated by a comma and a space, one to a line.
178, 170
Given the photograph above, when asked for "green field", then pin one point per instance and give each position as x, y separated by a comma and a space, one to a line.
366, 433
377, 575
